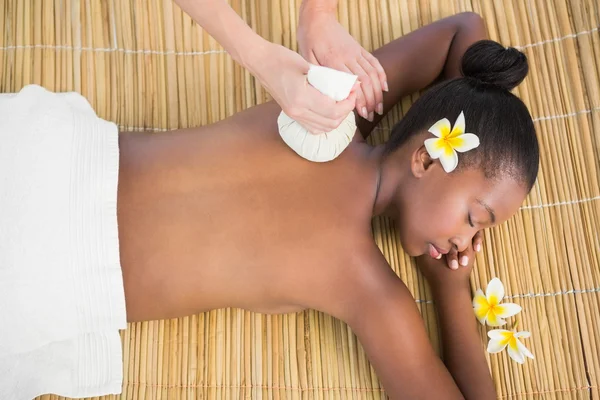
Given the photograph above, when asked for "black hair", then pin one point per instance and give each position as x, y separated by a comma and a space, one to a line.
508, 142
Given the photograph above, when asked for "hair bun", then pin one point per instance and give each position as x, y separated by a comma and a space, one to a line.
492, 63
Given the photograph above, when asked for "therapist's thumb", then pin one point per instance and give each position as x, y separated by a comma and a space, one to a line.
300, 63
342, 108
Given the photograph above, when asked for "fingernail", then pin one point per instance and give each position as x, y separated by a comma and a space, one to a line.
371, 116
364, 114
453, 264
464, 260
478, 247
439, 257
380, 108
385, 87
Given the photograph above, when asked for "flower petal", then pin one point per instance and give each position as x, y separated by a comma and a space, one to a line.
435, 147
481, 315
479, 299
459, 126
500, 334
507, 310
493, 319
494, 292
449, 161
524, 350
495, 346
523, 334
480, 306
465, 142
514, 353
441, 128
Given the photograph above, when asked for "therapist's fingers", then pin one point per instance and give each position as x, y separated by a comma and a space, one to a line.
380, 71
366, 100
375, 83
311, 58
319, 120
360, 104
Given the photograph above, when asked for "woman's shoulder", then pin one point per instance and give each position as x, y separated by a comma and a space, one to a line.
360, 275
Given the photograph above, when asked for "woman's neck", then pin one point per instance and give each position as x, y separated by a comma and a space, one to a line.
390, 176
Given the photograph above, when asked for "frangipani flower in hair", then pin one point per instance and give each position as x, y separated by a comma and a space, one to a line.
488, 308
450, 140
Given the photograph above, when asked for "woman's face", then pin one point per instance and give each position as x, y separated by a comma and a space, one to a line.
446, 210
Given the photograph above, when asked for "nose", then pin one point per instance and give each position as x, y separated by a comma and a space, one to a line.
462, 242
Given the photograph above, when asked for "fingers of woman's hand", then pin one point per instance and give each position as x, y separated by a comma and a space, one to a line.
360, 103
478, 241
329, 108
315, 123
322, 114
375, 83
366, 99
380, 71
346, 106
311, 58
466, 258
452, 259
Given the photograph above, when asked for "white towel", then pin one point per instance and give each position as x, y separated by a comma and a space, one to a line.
61, 288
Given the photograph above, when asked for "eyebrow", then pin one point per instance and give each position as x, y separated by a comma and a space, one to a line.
489, 209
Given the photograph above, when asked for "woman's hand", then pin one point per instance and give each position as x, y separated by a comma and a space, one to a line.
439, 276
283, 74
452, 267
323, 41
456, 260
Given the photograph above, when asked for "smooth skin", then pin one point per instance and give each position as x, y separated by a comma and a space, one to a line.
227, 215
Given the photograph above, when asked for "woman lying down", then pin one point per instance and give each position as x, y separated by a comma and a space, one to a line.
100, 228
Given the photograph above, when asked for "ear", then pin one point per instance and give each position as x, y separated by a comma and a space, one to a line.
420, 162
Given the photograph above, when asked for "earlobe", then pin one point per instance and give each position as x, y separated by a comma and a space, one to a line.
420, 162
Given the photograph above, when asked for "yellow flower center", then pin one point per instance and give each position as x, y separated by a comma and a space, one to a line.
510, 339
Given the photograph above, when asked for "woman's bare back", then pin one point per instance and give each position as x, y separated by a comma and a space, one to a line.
228, 216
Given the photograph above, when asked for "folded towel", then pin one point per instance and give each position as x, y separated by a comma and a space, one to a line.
60, 272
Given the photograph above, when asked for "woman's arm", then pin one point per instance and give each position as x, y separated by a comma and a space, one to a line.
381, 311
461, 341
221, 22
424, 56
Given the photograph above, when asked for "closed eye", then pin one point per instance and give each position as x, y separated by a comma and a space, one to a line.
471, 221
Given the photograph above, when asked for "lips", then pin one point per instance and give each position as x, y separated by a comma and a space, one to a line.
440, 250
436, 252
433, 251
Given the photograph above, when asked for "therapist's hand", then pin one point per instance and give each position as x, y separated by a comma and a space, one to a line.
283, 74
323, 41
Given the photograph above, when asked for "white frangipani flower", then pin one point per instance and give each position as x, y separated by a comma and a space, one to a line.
450, 140
488, 308
501, 338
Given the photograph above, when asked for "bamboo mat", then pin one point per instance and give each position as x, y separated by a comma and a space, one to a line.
143, 64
